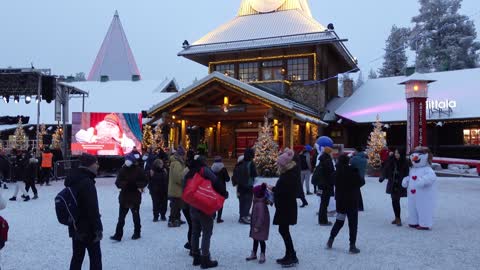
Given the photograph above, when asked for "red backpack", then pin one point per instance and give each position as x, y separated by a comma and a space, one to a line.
3, 232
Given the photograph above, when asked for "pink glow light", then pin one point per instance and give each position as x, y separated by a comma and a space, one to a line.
400, 105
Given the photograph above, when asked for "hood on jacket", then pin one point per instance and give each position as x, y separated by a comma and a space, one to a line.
217, 166
78, 174
249, 154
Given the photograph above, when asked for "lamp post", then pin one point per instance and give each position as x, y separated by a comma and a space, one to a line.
416, 94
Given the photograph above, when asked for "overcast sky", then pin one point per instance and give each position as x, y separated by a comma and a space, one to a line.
66, 35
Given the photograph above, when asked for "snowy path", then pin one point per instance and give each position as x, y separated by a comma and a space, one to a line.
37, 241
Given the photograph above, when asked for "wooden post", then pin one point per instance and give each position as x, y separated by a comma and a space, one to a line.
183, 136
275, 130
288, 132
308, 136
291, 133
219, 131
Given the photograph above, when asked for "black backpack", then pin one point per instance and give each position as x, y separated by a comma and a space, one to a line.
66, 207
303, 162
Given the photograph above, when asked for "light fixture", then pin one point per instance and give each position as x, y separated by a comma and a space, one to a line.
440, 124
173, 117
340, 121
387, 126
50, 128
16, 99
31, 128
415, 87
38, 99
28, 99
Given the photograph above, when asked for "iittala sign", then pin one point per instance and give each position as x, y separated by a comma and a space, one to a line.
441, 104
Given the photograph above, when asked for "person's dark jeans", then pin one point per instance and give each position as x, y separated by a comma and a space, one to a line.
94, 253
322, 213
245, 201
30, 183
202, 224
186, 213
121, 220
175, 209
352, 215
396, 206
160, 203
284, 231
219, 214
263, 246
45, 175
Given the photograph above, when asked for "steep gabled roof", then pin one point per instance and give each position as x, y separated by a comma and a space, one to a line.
115, 58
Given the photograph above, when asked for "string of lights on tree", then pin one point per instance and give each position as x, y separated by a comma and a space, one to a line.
57, 138
147, 140
376, 142
266, 151
21, 142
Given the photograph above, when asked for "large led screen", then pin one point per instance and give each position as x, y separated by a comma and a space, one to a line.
106, 134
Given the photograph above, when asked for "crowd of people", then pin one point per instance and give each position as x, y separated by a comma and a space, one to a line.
336, 181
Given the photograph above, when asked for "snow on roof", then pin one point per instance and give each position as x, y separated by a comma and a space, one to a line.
386, 98
115, 58
332, 106
262, 30
111, 96
286, 103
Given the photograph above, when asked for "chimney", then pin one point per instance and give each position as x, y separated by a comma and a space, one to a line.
347, 87
104, 78
135, 78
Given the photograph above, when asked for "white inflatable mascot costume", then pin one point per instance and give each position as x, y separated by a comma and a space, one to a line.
421, 188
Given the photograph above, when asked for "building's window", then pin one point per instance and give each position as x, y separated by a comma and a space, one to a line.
298, 69
336, 134
272, 70
226, 69
471, 136
248, 72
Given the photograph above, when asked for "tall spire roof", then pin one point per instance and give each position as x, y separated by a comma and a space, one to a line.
115, 58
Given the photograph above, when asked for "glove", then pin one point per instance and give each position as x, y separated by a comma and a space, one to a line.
98, 236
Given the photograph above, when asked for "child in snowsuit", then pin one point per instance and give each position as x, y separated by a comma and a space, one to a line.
260, 223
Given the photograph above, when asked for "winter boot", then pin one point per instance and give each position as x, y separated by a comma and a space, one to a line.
196, 258
26, 198
23, 196
219, 220
116, 238
35, 196
5, 186
136, 236
13, 198
281, 260
353, 250
163, 218
252, 257
262, 258
291, 261
187, 246
155, 219
206, 262
330, 242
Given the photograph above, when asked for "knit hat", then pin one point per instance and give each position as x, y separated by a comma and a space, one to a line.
260, 190
285, 157
217, 159
240, 159
87, 160
308, 148
180, 151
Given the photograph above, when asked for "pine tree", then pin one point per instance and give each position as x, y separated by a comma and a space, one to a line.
147, 140
57, 138
395, 58
372, 74
159, 141
41, 135
359, 81
266, 151
376, 142
445, 40
21, 142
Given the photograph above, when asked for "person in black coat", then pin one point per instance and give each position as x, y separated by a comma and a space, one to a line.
325, 185
223, 177
158, 186
4, 169
347, 195
396, 168
285, 193
131, 180
89, 226
32, 175
244, 175
202, 224
19, 173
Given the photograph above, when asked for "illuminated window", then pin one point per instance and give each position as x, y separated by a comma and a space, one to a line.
471, 136
226, 69
272, 70
336, 134
248, 72
298, 69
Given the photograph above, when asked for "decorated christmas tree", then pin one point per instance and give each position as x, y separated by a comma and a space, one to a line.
41, 135
57, 138
147, 140
158, 138
376, 142
266, 151
21, 142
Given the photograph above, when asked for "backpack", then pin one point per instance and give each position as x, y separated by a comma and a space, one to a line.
66, 207
3, 232
303, 162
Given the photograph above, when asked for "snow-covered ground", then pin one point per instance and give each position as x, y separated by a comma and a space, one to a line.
37, 241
